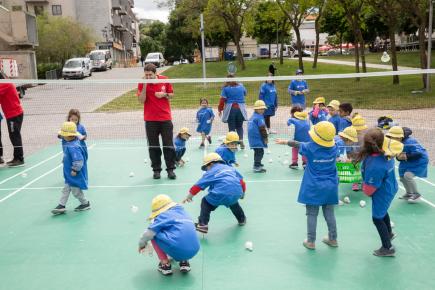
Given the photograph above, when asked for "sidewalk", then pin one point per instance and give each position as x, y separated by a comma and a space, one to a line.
351, 63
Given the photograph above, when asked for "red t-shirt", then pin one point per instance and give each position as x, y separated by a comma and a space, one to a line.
9, 101
155, 109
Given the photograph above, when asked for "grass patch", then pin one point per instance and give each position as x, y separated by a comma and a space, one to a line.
368, 93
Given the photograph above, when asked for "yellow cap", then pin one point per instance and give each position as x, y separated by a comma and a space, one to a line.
323, 133
395, 132
259, 105
319, 100
334, 104
231, 137
392, 147
301, 115
69, 129
209, 158
184, 131
349, 133
359, 123
160, 204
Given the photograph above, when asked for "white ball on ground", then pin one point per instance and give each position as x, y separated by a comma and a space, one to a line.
270, 160
346, 199
131, 174
24, 175
285, 162
286, 154
145, 160
392, 224
340, 202
269, 152
362, 203
186, 159
134, 209
249, 246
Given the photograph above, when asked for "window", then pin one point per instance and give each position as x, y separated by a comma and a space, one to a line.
39, 10
17, 8
56, 9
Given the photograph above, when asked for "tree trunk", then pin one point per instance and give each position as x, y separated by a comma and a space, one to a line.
341, 43
362, 50
422, 44
393, 53
357, 58
299, 44
281, 56
240, 60
316, 49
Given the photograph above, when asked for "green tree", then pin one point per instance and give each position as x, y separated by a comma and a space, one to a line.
321, 7
61, 39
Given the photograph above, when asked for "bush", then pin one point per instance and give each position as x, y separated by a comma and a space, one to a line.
45, 67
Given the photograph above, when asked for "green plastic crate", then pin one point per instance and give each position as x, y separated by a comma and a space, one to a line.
348, 172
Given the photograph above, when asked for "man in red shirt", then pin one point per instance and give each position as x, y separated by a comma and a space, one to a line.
158, 121
11, 107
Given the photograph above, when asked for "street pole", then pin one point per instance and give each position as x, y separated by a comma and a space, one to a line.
429, 45
204, 73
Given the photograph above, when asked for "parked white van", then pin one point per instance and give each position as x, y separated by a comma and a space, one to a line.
155, 58
101, 59
77, 68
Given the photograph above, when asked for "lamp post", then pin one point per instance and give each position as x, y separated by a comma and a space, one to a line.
429, 45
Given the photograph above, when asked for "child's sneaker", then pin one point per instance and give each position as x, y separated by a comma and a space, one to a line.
156, 175
165, 269
60, 209
242, 223
309, 245
331, 243
209, 139
184, 266
83, 207
414, 197
15, 163
259, 169
201, 228
201, 146
294, 166
383, 252
355, 187
406, 196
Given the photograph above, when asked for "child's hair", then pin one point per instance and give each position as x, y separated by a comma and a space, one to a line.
347, 107
295, 109
231, 83
373, 141
73, 112
202, 100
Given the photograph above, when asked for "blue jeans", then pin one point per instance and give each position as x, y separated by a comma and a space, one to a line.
328, 213
235, 122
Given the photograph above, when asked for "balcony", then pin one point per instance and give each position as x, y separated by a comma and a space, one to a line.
18, 28
117, 21
116, 4
122, 11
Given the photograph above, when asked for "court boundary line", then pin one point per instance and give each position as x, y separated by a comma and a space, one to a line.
421, 198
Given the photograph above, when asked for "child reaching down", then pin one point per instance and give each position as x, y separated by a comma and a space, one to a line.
180, 146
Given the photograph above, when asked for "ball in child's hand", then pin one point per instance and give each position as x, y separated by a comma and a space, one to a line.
131, 174
346, 199
249, 246
134, 209
362, 203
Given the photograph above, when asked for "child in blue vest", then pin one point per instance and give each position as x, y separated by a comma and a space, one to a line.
379, 182
226, 187
345, 109
172, 233
413, 161
319, 186
347, 142
204, 117
268, 94
302, 127
74, 116
319, 112
227, 150
2, 161
75, 169
180, 146
334, 114
257, 135
297, 89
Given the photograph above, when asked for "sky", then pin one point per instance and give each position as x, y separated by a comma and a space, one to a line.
148, 9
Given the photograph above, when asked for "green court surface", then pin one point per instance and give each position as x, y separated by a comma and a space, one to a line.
97, 249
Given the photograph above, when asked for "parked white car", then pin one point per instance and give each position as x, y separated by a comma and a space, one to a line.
77, 68
101, 59
155, 58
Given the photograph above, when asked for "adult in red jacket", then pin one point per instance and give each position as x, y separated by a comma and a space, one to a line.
11, 107
158, 121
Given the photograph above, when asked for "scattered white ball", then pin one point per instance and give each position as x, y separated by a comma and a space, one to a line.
221, 138
249, 246
134, 209
270, 160
362, 203
131, 174
269, 152
186, 159
392, 224
340, 202
245, 155
286, 154
285, 162
24, 175
145, 161
346, 199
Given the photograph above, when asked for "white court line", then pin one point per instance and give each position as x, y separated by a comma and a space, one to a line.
30, 168
421, 198
34, 180
146, 185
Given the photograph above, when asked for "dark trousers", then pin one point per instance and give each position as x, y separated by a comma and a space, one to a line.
235, 122
267, 121
179, 154
384, 229
153, 130
1, 144
207, 208
14, 128
258, 156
